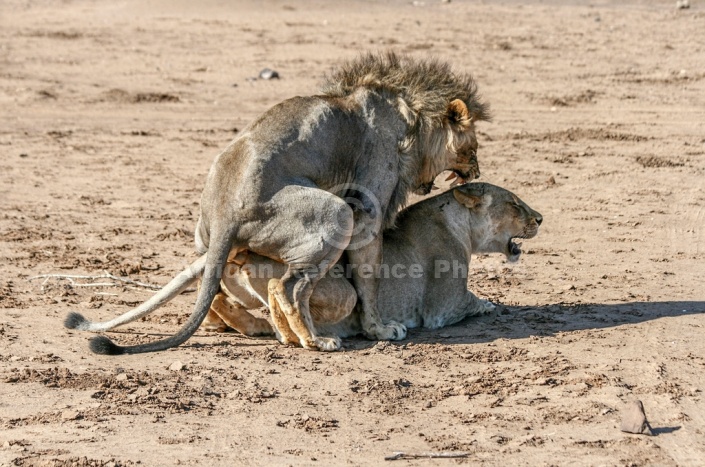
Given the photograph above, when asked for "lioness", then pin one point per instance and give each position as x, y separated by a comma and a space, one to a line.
423, 274
316, 175
422, 278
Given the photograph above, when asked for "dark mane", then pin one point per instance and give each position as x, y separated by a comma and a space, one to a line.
427, 86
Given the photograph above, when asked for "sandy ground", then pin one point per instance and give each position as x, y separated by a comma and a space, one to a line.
111, 115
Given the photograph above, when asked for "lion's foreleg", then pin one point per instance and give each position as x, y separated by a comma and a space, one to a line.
365, 257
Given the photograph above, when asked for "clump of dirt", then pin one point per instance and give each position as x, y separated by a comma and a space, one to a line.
120, 95
577, 133
649, 162
9, 296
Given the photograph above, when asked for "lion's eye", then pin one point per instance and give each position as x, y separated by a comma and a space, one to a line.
516, 206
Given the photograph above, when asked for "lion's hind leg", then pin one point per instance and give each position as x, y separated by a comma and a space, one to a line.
281, 324
332, 300
298, 320
309, 234
237, 317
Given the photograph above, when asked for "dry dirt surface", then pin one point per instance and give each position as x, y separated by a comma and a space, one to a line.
111, 113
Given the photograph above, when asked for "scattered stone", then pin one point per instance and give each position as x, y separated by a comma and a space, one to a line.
69, 415
121, 377
24, 155
683, 4
268, 74
634, 420
381, 346
177, 366
551, 181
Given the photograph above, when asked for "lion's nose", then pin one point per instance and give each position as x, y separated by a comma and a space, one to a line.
539, 219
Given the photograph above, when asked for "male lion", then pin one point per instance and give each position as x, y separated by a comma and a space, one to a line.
421, 283
316, 175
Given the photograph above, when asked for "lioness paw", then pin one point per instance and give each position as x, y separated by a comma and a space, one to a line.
487, 307
391, 331
328, 344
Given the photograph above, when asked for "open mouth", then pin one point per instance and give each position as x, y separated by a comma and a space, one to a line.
458, 177
514, 249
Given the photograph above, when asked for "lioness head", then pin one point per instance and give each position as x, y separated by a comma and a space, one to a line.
498, 217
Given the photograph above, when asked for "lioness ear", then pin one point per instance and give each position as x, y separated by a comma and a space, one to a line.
458, 112
470, 201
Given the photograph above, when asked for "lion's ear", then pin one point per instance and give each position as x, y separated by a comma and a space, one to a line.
470, 197
457, 112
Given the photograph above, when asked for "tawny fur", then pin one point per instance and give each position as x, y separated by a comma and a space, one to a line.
387, 125
477, 218
471, 219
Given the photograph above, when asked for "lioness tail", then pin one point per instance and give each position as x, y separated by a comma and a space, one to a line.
177, 285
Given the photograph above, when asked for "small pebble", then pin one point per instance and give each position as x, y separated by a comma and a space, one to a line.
69, 415
268, 74
683, 4
177, 366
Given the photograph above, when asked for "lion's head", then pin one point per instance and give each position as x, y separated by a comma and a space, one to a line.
440, 108
498, 217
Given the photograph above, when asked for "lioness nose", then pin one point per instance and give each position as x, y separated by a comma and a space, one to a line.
539, 219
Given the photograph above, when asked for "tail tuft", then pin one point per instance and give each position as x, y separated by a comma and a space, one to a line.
75, 321
104, 346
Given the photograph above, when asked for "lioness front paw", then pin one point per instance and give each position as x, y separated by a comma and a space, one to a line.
487, 307
210, 327
391, 331
325, 344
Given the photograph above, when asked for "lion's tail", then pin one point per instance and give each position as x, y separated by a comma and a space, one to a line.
214, 263
177, 285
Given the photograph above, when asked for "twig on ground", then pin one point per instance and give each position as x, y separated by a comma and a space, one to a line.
427, 455
106, 275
